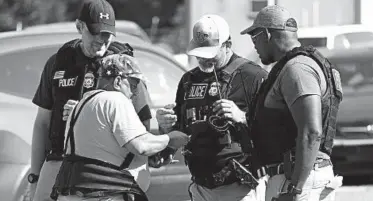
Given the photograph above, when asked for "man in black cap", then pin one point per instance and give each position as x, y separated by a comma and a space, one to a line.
214, 145
293, 119
67, 75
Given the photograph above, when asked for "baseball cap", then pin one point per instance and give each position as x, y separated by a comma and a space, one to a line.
99, 16
120, 65
209, 33
273, 17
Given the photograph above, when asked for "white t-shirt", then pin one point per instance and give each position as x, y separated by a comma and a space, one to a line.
106, 123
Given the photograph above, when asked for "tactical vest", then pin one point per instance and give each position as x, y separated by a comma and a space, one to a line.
70, 80
274, 131
211, 145
89, 177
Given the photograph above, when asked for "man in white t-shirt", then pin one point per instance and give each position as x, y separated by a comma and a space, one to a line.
106, 128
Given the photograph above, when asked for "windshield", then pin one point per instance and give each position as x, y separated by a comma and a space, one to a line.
349, 40
316, 42
21, 72
355, 74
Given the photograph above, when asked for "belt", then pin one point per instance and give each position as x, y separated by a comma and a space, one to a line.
211, 182
275, 169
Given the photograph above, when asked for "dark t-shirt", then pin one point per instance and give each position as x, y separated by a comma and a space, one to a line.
45, 93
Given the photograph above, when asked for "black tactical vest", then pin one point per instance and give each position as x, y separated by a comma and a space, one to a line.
209, 148
71, 78
274, 131
91, 177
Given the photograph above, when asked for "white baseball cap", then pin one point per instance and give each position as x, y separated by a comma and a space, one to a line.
209, 33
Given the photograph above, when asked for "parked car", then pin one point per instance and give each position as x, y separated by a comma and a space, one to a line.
353, 147
22, 58
123, 26
334, 37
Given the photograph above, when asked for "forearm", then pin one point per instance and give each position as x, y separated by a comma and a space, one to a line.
307, 147
149, 144
165, 130
38, 147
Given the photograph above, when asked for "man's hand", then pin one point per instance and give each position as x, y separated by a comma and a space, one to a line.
229, 110
177, 139
68, 108
166, 117
157, 161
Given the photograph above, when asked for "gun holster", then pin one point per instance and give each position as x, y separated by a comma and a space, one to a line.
244, 174
288, 164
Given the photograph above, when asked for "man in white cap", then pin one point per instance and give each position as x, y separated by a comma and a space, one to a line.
293, 122
215, 142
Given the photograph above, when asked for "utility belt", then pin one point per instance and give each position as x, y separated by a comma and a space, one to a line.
281, 168
232, 173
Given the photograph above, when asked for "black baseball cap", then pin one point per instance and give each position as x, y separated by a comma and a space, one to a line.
99, 16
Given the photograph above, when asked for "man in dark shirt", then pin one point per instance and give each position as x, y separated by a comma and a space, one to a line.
66, 76
214, 141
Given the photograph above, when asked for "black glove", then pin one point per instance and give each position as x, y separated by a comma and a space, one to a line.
162, 158
177, 139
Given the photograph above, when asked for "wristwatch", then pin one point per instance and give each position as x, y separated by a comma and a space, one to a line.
293, 190
32, 178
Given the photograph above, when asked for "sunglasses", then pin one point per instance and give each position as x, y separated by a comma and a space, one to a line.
254, 37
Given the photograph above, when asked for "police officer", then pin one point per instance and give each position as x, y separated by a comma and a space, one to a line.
214, 141
107, 145
293, 120
66, 76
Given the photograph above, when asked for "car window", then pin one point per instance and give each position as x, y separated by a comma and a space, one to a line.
355, 75
21, 73
163, 77
316, 42
349, 40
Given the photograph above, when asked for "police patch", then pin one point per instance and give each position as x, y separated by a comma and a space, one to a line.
213, 91
58, 75
196, 91
89, 80
337, 81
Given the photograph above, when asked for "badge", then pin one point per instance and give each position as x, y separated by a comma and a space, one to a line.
213, 91
89, 80
58, 75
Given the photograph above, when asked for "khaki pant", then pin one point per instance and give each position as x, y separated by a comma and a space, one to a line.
232, 192
46, 180
319, 186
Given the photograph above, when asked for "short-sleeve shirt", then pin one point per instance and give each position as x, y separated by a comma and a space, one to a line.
105, 125
299, 77
45, 93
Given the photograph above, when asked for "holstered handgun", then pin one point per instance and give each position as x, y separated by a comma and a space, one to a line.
242, 173
288, 164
